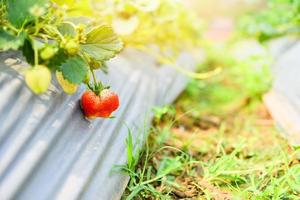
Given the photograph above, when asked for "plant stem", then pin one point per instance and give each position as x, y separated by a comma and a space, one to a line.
12, 28
36, 57
94, 76
180, 69
36, 53
37, 28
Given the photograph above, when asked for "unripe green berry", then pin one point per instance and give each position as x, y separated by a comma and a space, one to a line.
72, 47
48, 52
38, 78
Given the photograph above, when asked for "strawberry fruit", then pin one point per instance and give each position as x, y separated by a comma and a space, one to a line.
68, 87
101, 105
109, 102
38, 78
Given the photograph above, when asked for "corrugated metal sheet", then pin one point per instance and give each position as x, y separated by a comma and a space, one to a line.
283, 100
48, 150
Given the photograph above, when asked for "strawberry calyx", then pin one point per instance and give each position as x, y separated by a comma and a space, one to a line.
97, 87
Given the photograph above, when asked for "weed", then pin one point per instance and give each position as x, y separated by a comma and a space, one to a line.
217, 141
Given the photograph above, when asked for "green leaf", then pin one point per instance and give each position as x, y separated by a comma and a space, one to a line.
18, 11
28, 51
74, 69
134, 193
104, 68
10, 41
168, 165
130, 154
67, 29
102, 43
58, 59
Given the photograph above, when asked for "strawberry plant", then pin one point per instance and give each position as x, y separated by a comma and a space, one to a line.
168, 24
51, 42
162, 28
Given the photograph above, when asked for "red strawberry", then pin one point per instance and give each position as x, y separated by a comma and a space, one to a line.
99, 106
109, 102
90, 103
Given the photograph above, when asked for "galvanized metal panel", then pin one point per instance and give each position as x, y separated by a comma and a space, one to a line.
48, 150
283, 100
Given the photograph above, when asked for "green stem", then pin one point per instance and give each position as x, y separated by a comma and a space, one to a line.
94, 76
172, 63
36, 56
37, 29
61, 37
12, 28
35, 51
